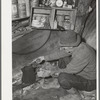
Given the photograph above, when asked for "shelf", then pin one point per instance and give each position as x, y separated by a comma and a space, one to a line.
55, 8
55, 12
20, 19
68, 9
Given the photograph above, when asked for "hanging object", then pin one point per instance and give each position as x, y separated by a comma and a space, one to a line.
22, 8
14, 9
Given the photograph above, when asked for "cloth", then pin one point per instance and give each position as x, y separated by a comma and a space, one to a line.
68, 81
83, 61
63, 62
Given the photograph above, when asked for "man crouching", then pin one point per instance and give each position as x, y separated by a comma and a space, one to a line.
77, 61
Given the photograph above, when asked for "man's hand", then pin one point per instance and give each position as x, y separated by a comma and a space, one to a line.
39, 59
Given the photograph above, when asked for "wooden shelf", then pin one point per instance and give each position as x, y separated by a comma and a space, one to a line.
68, 9
20, 19
53, 12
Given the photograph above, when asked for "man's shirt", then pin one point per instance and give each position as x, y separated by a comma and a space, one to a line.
83, 61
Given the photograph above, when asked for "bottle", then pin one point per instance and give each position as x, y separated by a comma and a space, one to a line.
59, 3
22, 8
14, 9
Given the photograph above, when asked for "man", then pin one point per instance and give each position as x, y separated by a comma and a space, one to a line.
80, 72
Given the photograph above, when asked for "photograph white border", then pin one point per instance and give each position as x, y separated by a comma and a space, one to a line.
6, 50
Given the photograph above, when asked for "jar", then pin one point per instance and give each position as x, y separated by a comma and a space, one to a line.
22, 8
14, 9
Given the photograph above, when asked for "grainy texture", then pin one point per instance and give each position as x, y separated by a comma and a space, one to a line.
89, 33
21, 60
83, 7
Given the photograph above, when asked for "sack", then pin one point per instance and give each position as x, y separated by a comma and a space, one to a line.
62, 63
29, 74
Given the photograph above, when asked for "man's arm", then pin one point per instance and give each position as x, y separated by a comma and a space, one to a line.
56, 55
79, 61
75, 67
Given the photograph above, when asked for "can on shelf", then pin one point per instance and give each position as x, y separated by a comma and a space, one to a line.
34, 3
14, 9
67, 25
22, 8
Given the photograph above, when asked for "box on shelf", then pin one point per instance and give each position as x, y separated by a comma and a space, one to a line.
40, 17
63, 17
66, 18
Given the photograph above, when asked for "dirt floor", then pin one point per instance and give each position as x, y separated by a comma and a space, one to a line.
48, 89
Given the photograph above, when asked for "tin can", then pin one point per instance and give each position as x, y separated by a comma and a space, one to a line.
34, 3
67, 25
22, 8
14, 9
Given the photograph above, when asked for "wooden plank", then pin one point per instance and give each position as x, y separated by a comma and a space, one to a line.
20, 19
41, 11
52, 17
60, 12
73, 19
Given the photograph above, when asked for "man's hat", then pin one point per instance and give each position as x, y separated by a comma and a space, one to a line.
69, 38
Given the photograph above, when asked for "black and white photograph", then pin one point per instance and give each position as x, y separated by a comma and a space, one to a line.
54, 49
